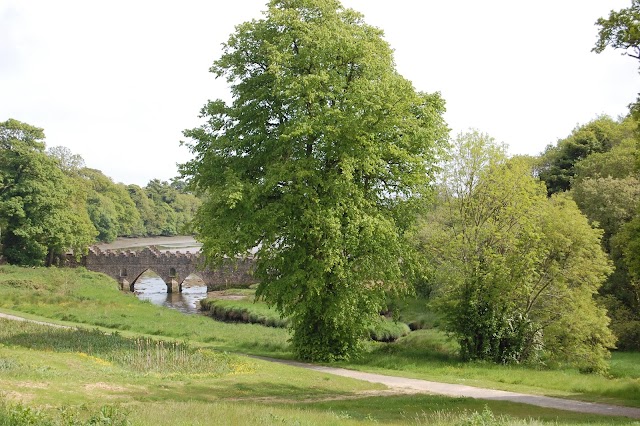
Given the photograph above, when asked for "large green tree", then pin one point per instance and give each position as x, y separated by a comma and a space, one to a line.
513, 271
41, 213
313, 164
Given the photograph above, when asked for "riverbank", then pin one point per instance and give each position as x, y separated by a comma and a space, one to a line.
176, 243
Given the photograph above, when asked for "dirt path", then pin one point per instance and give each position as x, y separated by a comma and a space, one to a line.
454, 390
404, 385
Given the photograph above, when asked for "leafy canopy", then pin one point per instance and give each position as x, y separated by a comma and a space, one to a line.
314, 165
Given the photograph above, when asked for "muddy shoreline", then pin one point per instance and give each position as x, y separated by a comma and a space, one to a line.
176, 243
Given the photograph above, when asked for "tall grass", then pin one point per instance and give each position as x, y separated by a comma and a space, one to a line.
140, 355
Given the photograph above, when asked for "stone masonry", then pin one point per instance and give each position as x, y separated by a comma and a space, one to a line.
127, 266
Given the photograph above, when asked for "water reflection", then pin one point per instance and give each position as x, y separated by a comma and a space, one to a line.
152, 288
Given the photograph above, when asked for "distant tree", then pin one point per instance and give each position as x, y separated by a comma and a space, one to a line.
313, 165
104, 216
69, 162
111, 208
146, 209
39, 214
557, 163
607, 201
513, 272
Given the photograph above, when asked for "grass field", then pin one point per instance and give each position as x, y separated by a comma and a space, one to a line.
142, 364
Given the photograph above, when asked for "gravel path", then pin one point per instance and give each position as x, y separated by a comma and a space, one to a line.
424, 386
454, 390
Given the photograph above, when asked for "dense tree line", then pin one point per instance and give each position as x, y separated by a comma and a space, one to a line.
51, 203
597, 165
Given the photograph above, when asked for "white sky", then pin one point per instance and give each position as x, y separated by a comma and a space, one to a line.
117, 81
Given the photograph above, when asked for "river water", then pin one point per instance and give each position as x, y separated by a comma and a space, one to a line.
151, 287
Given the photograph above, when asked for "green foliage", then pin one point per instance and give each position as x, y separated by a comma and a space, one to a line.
607, 190
39, 216
621, 31
314, 164
514, 273
17, 414
165, 209
557, 163
110, 207
608, 202
50, 203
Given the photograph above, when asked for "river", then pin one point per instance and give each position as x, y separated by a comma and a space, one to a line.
151, 287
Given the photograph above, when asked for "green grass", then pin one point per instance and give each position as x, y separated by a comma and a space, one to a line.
387, 330
433, 411
49, 376
414, 312
431, 355
42, 367
139, 355
81, 297
56, 381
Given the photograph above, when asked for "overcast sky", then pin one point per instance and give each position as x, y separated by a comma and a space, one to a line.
117, 81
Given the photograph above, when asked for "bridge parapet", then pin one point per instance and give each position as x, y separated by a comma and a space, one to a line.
126, 266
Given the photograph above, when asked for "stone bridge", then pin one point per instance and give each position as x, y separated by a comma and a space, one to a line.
127, 266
